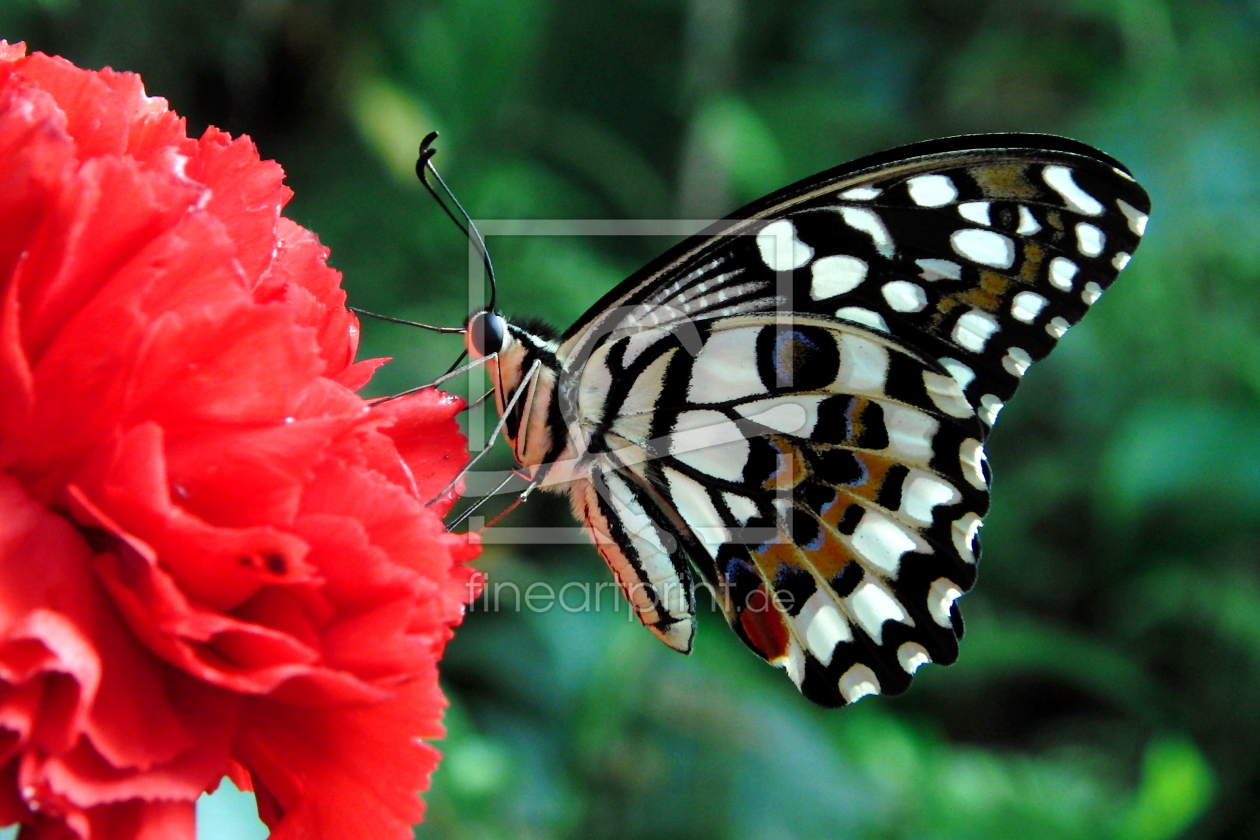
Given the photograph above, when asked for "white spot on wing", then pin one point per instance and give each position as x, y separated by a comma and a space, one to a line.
863, 366
868, 222
941, 598
881, 542
910, 432
971, 459
634, 419
692, 502
990, 405
793, 663
923, 491
964, 531
791, 415
861, 193
1060, 179
904, 296
1062, 272
865, 317
934, 269
822, 626
1026, 306
709, 442
831, 276
946, 394
782, 505
639, 342
1016, 361
974, 329
963, 374
931, 190
780, 248
975, 211
1057, 327
858, 682
1028, 224
593, 387
678, 634
742, 507
726, 368
1091, 293
871, 605
912, 656
1137, 219
1120, 260
1089, 239
986, 247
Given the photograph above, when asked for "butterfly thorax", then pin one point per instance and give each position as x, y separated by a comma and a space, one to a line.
524, 372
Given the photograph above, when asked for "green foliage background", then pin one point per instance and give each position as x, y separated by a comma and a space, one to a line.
1109, 679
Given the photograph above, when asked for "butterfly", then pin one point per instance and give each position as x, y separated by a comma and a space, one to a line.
791, 406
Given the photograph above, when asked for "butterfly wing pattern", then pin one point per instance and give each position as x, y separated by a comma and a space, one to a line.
797, 398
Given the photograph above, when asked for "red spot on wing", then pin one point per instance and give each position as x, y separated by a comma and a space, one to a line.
763, 625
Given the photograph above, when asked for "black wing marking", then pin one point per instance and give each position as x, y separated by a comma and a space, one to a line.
980, 257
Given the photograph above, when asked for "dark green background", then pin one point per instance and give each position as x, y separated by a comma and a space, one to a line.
1108, 681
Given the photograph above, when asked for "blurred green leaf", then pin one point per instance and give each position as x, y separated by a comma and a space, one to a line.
1203, 456
1175, 788
743, 144
390, 121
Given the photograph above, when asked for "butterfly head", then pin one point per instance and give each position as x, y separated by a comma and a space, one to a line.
486, 333
522, 365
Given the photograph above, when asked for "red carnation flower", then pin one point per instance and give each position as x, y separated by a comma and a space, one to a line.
215, 558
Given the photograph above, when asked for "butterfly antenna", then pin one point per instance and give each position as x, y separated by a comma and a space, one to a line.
365, 313
424, 164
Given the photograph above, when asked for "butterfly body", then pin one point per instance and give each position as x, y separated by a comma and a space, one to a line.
793, 403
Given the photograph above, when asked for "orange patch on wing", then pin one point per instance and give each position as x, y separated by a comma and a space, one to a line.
989, 294
1034, 255
1004, 181
774, 555
830, 558
876, 469
1055, 220
790, 469
857, 419
833, 513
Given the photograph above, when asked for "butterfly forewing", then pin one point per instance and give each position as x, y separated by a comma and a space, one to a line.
799, 396
982, 258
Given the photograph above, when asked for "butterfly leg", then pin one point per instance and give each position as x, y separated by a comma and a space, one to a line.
495, 492
522, 497
450, 374
494, 434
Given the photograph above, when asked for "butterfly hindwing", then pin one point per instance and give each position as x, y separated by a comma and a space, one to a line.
827, 488
642, 553
798, 397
